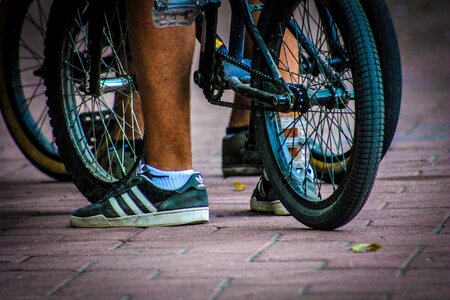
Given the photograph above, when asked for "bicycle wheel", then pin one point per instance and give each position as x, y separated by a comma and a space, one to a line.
22, 98
92, 96
348, 127
388, 49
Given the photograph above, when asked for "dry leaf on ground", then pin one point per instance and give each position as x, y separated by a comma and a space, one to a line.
358, 248
239, 186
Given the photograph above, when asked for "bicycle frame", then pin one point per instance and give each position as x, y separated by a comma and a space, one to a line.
241, 19
283, 97
287, 97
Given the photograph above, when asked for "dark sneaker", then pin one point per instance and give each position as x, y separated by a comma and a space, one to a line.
309, 184
264, 199
137, 202
236, 159
119, 160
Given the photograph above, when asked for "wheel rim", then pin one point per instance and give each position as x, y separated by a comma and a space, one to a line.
104, 130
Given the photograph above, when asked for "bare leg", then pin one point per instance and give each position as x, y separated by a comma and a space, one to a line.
164, 59
239, 117
236, 159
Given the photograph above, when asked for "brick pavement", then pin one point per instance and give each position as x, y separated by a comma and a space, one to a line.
239, 254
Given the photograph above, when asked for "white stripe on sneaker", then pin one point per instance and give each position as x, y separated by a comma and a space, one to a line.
115, 205
143, 199
261, 188
131, 204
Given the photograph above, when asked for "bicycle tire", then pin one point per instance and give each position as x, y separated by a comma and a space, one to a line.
322, 205
384, 33
385, 36
22, 99
383, 29
83, 123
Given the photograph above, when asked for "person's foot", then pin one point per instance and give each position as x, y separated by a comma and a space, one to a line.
309, 185
236, 159
137, 202
119, 159
265, 200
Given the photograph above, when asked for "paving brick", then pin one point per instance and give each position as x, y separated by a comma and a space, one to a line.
397, 290
433, 257
239, 270
197, 247
388, 257
237, 290
432, 292
30, 285
179, 262
344, 296
55, 262
9, 221
17, 240
44, 222
342, 277
445, 230
338, 255
203, 233
57, 248
406, 217
435, 200
12, 259
244, 218
110, 284
390, 236
72, 234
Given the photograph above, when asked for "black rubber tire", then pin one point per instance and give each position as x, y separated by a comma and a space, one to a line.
80, 146
346, 199
391, 67
383, 30
24, 127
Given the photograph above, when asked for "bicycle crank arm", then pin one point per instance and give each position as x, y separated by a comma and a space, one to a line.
278, 102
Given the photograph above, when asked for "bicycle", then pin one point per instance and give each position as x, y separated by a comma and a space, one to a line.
336, 83
22, 99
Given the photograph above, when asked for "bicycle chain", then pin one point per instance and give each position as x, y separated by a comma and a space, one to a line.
244, 67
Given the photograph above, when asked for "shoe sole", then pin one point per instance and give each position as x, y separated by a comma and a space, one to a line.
241, 171
162, 218
260, 206
275, 207
279, 209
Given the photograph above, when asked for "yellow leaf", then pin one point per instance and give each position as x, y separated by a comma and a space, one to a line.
239, 186
366, 247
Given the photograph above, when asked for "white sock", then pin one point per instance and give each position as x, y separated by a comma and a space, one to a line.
169, 180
